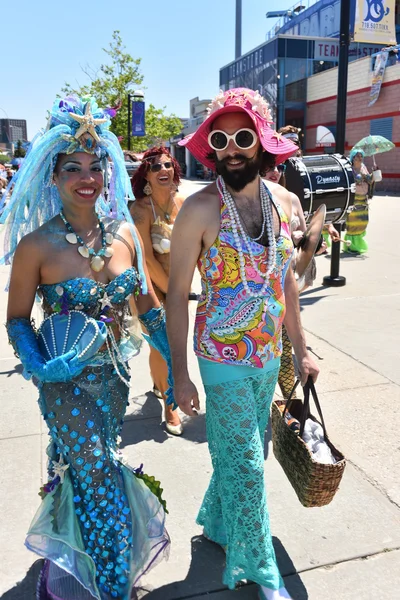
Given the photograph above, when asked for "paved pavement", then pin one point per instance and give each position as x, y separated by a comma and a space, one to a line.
347, 550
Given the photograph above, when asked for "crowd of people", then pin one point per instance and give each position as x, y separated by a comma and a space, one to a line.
98, 267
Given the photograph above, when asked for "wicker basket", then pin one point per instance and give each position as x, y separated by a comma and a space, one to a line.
314, 483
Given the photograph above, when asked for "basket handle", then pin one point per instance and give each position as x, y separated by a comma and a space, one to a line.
310, 387
290, 399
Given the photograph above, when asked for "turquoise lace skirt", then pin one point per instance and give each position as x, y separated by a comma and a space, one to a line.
234, 512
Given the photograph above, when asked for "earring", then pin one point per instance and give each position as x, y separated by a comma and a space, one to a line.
147, 189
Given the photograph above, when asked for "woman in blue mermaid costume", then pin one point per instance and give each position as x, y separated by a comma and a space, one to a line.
101, 524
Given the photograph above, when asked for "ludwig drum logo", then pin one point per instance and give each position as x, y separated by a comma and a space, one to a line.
375, 21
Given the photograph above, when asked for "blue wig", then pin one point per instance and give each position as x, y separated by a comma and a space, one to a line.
355, 151
34, 199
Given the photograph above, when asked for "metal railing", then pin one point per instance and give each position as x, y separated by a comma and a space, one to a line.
291, 13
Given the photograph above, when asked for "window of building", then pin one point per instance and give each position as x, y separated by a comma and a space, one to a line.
382, 127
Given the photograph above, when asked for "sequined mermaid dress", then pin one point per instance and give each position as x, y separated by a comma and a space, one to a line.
99, 526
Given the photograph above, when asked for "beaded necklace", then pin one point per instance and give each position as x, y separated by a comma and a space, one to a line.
167, 213
241, 239
97, 260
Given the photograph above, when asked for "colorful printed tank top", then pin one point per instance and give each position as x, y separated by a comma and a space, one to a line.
232, 327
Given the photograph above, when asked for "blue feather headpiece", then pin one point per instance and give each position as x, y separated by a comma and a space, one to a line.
74, 125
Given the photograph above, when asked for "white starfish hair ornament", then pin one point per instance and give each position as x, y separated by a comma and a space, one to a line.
87, 123
59, 468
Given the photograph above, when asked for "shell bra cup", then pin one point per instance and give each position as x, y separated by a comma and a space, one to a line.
85, 294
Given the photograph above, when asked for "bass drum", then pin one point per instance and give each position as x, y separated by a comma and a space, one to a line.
322, 179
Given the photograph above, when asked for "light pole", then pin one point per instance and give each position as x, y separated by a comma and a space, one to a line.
238, 29
137, 96
334, 279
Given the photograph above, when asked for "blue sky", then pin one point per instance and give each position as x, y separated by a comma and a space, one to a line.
182, 43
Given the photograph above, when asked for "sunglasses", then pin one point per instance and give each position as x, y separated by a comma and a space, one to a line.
158, 166
281, 168
244, 139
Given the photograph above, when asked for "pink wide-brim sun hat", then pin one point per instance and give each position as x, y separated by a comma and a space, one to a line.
253, 104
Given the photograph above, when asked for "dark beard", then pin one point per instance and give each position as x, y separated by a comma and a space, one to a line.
237, 179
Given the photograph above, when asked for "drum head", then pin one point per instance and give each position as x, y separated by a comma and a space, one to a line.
308, 245
322, 179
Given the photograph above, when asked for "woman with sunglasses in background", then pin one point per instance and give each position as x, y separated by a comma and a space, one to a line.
157, 204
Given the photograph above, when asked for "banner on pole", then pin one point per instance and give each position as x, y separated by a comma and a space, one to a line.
377, 76
138, 119
375, 22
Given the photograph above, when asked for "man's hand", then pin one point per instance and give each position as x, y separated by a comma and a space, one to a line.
187, 397
307, 366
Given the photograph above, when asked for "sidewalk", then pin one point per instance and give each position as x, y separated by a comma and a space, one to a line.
349, 550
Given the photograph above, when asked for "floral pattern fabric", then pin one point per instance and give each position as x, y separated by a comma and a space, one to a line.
232, 327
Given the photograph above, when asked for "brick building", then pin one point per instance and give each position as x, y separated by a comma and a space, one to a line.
383, 118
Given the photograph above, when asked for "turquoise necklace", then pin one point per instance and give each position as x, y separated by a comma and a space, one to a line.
96, 258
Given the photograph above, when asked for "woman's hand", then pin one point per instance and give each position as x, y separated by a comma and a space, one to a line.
333, 233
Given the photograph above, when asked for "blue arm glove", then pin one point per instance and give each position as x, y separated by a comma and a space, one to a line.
24, 341
154, 321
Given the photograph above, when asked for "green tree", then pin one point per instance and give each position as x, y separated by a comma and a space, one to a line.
19, 151
4, 158
110, 85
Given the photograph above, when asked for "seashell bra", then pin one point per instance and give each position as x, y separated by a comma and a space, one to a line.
106, 302
88, 295
160, 234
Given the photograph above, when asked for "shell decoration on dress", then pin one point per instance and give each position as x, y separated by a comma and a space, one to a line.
160, 236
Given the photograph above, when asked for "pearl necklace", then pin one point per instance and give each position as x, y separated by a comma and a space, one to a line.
97, 260
240, 236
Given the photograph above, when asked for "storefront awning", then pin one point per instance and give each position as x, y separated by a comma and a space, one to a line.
325, 137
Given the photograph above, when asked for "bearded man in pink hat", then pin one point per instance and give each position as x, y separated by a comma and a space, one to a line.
237, 231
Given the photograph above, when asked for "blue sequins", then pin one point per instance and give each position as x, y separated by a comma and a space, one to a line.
77, 391
75, 411
90, 424
91, 377
65, 428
